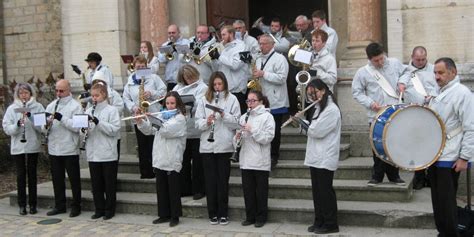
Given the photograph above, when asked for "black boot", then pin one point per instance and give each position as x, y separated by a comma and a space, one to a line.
33, 210
22, 211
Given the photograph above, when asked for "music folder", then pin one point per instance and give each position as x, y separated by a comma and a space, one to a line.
214, 108
166, 49
127, 58
187, 99
143, 72
183, 49
155, 121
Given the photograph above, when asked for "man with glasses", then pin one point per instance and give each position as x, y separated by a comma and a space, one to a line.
272, 70
200, 45
63, 149
172, 66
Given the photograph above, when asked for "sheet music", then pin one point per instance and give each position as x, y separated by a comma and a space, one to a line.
144, 72
80, 121
39, 119
303, 56
166, 49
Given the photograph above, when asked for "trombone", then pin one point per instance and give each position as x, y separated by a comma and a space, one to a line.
147, 114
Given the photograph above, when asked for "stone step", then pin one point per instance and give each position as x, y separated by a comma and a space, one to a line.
415, 214
352, 168
347, 190
289, 137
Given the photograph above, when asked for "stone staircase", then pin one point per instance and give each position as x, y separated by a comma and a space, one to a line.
290, 197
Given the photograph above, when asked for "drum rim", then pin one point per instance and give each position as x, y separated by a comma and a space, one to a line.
443, 139
371, 136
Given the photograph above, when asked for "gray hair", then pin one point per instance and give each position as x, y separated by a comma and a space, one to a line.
23, 86
302, 17
240, 22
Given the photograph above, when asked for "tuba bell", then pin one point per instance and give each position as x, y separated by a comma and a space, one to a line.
302, 78
303, 45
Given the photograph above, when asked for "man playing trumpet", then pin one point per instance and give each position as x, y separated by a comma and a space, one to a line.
200, 45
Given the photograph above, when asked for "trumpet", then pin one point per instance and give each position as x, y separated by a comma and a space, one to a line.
146, 104
23, 132
170, 56
216, 46
86, 131
213, 124
148, 114
301, 113
236, 155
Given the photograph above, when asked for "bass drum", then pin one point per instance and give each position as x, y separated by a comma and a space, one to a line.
411, 137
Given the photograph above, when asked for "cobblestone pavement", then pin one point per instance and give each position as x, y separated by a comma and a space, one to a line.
12, 224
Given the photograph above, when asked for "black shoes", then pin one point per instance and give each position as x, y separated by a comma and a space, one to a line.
108, 217
247, 223
259, 224
75, 212
398, 181
22, 211
198, 196
97, 216
55, 212
161, 220
33, 210
174, 222
325, 230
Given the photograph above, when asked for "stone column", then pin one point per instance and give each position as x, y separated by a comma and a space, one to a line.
364, 27
154, 21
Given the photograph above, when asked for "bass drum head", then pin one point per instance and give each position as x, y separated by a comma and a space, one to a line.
414, 137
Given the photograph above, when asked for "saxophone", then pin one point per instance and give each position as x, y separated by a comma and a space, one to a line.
254, 84
141, 96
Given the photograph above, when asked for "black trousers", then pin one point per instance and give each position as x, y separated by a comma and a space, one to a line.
291, 87
104, 186
324, 198
168, 194
217, 173
26, 166
444, 186
145, 149
192, 175
255, 186
380, 168
275, 145
60, 165
241, 98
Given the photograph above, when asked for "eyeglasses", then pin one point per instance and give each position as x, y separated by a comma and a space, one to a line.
251, 101
60, 91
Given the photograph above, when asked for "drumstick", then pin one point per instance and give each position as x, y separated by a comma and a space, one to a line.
400, 98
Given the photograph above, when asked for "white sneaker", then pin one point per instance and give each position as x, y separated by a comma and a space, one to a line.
223, 221
214, 221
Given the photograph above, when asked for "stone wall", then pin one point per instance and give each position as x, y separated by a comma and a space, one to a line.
32, 35
445, 28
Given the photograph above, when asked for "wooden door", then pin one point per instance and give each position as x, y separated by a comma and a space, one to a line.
219, 11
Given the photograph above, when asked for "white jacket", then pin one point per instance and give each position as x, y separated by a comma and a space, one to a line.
366, 90
198, 92
283, 45
324, 138
273, 81
153, 84
455, 104
63, 138
331, 43
255, 151
109, 77
427, 78
205, 68
154, 64
234, 69
32, 134
326, 67
101, 145
169, 143
172, 67
224, 128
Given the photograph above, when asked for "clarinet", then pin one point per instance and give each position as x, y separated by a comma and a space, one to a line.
86, 131
50, 124
213, 125
23, 134
236, 155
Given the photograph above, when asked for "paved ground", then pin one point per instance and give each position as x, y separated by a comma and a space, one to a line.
12, 224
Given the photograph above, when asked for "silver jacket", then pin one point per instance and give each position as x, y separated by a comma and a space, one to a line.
274, 78
32, 133
102, 138
234, 69
63, 138
172, 67
427, 78
326, 67
324, 138
224, 128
